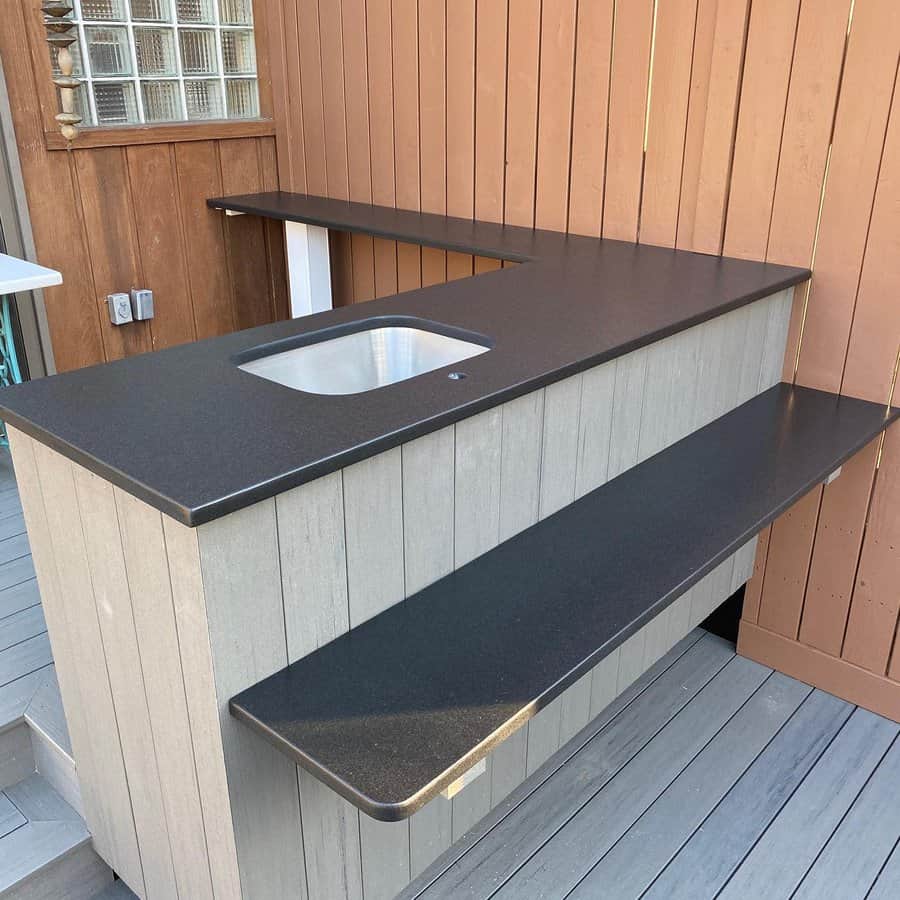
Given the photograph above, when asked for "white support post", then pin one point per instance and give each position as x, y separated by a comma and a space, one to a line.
309, 268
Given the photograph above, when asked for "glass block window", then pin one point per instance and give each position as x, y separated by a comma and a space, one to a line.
152, 61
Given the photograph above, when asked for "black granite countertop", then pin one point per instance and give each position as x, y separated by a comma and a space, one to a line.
191, 434
395, 710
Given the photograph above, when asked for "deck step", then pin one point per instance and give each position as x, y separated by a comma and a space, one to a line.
116, 891
34, 735
50, 743
45, 848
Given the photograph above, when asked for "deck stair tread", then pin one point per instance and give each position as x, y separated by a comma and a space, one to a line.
116, 891
788, 794
45, 712
49, 831
392, 712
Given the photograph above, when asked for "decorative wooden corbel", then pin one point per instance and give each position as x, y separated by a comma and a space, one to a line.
59, 35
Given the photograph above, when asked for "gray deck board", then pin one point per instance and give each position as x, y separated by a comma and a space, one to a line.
629, 868
10, 817
490, 862
781, 858
11, 525
781, 792
21, 626
715, 850
18, 597
854, 856
571, 852
16, 571
13, 548
25, 657
887, 886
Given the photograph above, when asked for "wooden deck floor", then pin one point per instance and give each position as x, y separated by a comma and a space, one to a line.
712, 777
24, 645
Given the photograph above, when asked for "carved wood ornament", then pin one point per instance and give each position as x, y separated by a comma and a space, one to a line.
60, 36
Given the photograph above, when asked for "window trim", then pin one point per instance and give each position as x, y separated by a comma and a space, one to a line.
158, 133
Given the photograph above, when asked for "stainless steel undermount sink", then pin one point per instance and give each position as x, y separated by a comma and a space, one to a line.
370, 357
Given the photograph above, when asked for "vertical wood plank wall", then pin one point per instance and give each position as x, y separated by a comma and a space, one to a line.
113, 218
155, 626
768, 130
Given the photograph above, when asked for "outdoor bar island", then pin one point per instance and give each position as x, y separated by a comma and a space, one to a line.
322, 593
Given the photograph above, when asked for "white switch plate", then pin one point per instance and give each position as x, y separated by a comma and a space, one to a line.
467, 777
119, 309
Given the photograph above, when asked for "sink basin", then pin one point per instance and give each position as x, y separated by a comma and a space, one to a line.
363, 360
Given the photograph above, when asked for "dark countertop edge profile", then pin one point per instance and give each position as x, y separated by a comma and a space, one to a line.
798, 462
194, 516
549, 252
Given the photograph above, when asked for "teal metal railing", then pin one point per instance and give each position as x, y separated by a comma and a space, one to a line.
9, 361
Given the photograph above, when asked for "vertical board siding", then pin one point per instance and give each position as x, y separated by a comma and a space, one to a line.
106, 558
110, 799
147, 567
238, 559
58, 608
189, 601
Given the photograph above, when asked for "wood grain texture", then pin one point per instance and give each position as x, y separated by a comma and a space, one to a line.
373, 524
673, 47
856, 153
758, 795
792, 843
262, 783
557, 52
587, 836
842, 521
147, 565
107, 802
128, 210
691, 796
628, 95
590, 111
715, 81
189, 601
106, 558
313, 559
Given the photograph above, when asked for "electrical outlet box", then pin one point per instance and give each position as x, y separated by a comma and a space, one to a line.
141, 303
119, 309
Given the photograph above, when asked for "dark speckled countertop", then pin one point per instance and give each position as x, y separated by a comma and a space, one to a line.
191, 434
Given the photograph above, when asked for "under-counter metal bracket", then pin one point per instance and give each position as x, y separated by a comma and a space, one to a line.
309, 268
452, 789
